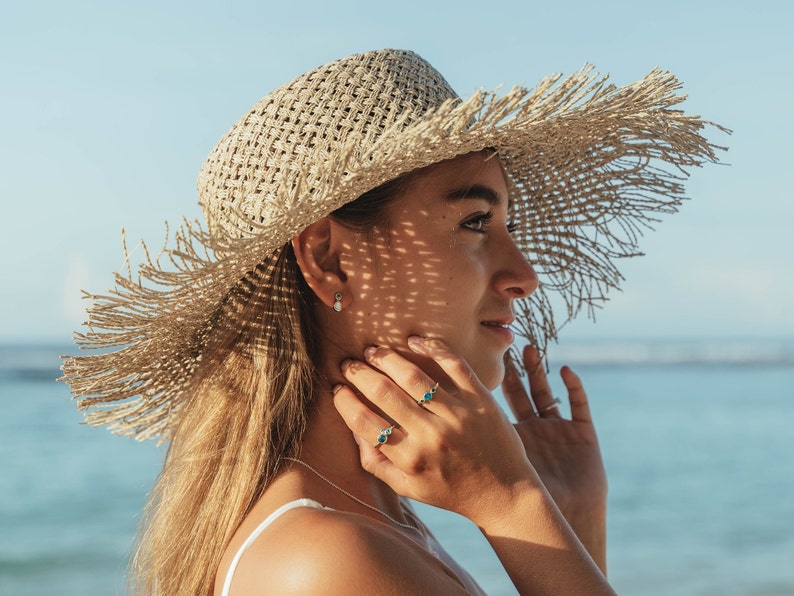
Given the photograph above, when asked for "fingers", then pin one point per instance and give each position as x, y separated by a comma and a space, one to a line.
379, 464
393, 386
539, 387
437, 453
366, 425
580, 408
388, 386
418, 387
515, 393
455, 367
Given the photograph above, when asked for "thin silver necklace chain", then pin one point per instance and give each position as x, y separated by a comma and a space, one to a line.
355, 498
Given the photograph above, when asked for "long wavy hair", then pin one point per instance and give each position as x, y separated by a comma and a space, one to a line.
250, 402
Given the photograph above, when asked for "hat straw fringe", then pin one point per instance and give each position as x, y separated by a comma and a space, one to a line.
591, 166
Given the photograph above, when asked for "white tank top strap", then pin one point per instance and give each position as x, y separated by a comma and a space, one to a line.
258, 530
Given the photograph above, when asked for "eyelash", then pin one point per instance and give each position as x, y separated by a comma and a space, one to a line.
483, 220
479, 222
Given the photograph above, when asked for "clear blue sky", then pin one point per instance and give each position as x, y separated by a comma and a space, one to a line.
107, 110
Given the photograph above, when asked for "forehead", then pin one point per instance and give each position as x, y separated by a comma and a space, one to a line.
453, 177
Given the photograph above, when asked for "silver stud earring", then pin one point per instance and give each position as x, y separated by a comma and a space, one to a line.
338, 301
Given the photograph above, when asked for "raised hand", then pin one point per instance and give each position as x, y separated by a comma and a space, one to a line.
458, 451
565, 453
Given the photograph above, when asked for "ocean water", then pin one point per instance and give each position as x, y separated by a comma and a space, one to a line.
697, 439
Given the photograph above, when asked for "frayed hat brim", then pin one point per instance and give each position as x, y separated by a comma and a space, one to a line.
590, 166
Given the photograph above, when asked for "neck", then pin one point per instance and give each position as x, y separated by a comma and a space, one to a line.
329, 448
328, 444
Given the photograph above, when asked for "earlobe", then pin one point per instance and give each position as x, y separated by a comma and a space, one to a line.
316, 254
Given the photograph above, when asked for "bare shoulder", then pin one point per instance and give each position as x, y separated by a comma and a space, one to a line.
318, 551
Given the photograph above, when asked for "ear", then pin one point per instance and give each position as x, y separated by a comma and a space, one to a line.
316, 250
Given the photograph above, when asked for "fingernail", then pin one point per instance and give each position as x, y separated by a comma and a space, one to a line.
336, 388
356, 439
416, 341
345, 364
370, 352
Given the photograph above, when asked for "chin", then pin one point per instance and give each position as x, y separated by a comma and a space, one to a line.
492, 376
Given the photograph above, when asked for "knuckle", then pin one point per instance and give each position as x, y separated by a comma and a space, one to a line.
359, 419
380, 390
440, 440
417, 381
367, 462
416, 465
442, 445
458, 427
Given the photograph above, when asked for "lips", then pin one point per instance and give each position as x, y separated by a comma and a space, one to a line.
503, 323
501, 327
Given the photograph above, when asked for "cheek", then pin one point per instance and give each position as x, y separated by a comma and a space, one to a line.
465, 265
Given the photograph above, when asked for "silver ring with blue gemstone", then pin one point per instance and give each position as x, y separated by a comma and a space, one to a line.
383, 436
428, 395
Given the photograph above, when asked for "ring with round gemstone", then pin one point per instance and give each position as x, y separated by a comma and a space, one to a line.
556, 402
428, 395
383, 436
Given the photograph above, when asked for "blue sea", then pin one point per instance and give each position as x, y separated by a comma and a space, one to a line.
697, 438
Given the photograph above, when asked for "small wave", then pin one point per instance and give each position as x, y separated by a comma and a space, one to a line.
41, 364
31, 363
721, 352
46, 561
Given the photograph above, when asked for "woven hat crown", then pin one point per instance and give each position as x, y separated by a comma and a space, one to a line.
277, 148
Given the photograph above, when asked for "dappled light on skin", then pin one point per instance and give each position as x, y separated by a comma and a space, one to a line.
436, 271
443, 268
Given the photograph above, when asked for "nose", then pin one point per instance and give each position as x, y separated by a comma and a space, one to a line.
515, 275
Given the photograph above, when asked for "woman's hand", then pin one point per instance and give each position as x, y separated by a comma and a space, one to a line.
457, 451
564, 453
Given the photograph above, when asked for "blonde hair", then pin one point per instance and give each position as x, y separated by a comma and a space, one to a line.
249, 406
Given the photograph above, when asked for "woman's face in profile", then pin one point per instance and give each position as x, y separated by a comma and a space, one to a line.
447, 268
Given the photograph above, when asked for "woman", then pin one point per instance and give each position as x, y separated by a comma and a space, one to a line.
329, 345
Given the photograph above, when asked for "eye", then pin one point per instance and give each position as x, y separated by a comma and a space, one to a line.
512, 226
479, 222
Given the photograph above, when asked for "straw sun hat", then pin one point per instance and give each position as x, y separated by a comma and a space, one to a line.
589, 166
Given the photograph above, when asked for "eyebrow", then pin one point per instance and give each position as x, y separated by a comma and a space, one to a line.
476, 191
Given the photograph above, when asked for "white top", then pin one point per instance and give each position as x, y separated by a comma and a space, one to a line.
258, 530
